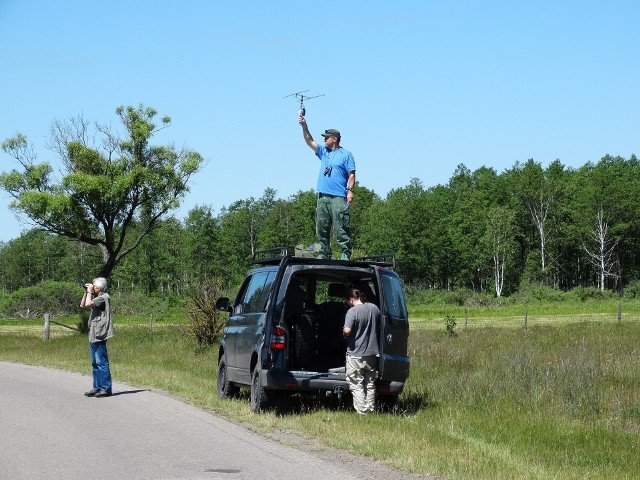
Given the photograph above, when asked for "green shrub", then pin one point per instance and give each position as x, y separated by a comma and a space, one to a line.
168, 307
632, 290
476, 299
83, 322
459, 297
419, 294
205, 321
588, 293
57, 298
450, 325
538, 293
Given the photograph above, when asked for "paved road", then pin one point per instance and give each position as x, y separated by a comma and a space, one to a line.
49, 430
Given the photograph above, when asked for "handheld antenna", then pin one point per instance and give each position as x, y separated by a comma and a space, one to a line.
299, 95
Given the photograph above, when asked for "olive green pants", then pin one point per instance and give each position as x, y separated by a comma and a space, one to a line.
332, 215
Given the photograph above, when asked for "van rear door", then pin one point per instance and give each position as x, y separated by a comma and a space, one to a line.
394, 344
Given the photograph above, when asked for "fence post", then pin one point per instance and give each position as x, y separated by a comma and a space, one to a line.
47, 326
465, 318
526, 317
619, 311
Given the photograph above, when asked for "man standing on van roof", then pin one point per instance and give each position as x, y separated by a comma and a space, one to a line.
336, 180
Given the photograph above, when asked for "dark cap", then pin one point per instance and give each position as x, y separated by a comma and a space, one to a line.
332, 132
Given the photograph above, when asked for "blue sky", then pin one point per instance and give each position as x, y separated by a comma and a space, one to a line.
416, 87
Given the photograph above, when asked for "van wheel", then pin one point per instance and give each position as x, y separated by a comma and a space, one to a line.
260, 396
226, 389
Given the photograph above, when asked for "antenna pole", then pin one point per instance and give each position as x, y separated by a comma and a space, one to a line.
302, 98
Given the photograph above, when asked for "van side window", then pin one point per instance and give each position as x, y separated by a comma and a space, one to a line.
257, 293
265, 290
393, 297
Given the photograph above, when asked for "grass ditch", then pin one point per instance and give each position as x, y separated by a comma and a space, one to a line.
558, 399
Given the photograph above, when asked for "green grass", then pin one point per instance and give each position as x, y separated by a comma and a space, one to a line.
559, 399
629, 308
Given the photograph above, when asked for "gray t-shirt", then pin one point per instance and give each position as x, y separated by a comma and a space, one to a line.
363, 321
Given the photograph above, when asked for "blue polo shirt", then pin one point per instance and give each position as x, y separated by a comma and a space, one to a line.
341, 163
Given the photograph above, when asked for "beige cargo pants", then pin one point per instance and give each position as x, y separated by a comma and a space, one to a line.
361, 375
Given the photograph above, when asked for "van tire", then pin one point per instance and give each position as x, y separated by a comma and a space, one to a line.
226, 389
260, 396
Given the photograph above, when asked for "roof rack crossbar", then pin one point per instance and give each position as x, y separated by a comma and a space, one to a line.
270, 255
386, 259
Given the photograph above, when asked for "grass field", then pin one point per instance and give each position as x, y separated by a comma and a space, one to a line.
495, 400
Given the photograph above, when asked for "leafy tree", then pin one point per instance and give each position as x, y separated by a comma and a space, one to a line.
440, 204
277, 229
158, 264
104, 190
241, 225
170, 248
474, 193
291, 222
202, 232
398, 225
608, 196
363, 198
37, 256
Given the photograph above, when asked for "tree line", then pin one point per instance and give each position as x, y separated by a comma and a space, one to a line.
485, 231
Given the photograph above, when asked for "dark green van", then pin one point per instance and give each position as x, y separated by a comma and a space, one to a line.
284, 331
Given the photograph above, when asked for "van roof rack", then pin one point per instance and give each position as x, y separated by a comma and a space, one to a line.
270, 256
384, 260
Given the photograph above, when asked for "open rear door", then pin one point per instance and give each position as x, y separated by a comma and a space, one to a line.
394, 343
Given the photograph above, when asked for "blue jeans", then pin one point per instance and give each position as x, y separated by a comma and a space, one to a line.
100, 364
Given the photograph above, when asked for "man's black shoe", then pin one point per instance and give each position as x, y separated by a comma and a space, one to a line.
92, 392
103, 393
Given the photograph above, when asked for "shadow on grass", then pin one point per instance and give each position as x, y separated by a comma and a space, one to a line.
300, 404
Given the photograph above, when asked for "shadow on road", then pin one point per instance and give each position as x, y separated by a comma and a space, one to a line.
127, 392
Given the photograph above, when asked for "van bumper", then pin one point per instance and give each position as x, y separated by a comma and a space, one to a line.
303, 381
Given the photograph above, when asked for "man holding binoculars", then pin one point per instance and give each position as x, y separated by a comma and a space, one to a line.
100, 330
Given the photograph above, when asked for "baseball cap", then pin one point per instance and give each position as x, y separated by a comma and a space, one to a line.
331, 132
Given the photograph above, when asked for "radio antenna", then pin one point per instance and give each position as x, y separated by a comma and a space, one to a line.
302, 98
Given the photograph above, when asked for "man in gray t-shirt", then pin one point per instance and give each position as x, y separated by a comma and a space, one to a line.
361, 331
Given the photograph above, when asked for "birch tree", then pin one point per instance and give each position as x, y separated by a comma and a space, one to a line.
499, 238
601, 249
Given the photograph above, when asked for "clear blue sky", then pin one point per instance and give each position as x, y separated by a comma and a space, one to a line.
416, 87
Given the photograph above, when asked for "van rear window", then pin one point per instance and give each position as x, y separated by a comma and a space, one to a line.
393, 297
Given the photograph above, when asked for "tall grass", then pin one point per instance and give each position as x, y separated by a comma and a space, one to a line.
549, 401
544, 402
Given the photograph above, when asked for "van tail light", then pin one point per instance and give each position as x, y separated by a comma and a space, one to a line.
278, 338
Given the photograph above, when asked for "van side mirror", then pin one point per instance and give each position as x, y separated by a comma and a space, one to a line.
222, 304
